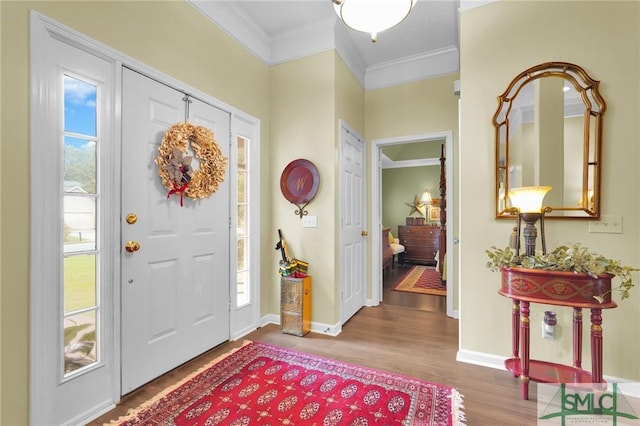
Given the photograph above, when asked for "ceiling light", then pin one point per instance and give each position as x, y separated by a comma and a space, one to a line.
372, 16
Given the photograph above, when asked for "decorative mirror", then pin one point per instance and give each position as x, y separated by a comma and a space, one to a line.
548, 129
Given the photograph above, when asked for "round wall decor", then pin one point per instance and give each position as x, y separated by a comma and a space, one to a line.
299, 183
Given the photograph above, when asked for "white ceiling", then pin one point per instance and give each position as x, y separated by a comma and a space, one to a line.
424, 45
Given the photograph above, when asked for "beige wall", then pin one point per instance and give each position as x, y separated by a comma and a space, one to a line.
308, 96
426, 106
302, 125
498, 41
169, 36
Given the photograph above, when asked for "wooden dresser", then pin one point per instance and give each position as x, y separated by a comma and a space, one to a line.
420, 243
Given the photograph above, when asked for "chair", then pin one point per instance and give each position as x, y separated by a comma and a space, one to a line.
396, 249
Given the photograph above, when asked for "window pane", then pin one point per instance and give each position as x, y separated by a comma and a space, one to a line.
79, 282
79, 165
242, 154
242, 221
242, 255
79, 106
79, 223
80, 343
242, 190
242, 225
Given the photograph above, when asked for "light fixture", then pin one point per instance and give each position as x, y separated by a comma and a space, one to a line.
426, 197
425, 202
372, 16
526, 202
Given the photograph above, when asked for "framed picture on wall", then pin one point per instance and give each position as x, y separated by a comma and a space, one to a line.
434, 210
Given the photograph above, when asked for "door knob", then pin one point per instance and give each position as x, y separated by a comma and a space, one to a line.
132, 246
364, 233
132, 218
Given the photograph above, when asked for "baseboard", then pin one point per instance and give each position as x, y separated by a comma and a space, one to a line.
240, 334
632, 387
482, 359
316, 327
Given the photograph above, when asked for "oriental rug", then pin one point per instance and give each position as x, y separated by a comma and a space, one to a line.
260, 384
422, 279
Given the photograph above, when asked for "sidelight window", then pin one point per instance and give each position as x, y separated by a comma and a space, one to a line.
81, 255
243, 224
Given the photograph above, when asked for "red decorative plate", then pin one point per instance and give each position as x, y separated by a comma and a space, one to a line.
299, 181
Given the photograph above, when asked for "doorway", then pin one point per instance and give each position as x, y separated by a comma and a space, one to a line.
204, 284
376, 208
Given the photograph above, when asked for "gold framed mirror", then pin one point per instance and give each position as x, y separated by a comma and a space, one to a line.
548, 132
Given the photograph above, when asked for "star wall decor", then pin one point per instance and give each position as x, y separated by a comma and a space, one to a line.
415, 206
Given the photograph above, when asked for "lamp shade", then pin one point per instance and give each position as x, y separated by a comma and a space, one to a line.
528, 199
426, 197
372, 16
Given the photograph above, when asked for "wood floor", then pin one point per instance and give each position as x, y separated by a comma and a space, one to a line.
407, 334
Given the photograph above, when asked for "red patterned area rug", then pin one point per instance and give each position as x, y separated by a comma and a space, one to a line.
264, 385
422, 279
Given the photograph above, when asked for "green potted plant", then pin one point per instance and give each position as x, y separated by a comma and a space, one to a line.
572, 258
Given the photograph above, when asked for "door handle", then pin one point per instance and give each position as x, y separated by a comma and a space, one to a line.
132, 246
364, 233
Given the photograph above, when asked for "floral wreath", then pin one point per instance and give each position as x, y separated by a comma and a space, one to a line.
175, 167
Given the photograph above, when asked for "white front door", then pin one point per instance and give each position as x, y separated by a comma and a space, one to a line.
353, 247
175, 288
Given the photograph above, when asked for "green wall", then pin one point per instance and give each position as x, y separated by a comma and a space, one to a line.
400, 186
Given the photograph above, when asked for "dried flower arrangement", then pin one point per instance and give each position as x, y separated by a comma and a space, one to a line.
572, 258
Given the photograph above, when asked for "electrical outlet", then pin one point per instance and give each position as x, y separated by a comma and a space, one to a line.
309, 221
611, 224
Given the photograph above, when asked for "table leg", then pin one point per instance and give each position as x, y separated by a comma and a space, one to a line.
577, 337
515, 330
524, 349
596, 345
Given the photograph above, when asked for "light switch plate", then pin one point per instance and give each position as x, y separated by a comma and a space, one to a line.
611, 224
310, 221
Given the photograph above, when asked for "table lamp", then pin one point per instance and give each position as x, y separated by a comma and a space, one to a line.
526, 202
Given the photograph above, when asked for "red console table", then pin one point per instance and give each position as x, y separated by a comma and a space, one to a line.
525, 286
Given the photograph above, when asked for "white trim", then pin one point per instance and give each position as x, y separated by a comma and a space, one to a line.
419, 67
46, 386
313, 39
247, 317
230, 20
323, 36
316, 327
376, 209
496, 362
482, 359
350, 54
387, 163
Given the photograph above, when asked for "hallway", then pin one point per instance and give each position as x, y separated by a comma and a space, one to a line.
423, 302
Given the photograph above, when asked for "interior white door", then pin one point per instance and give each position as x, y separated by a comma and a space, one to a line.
353, 239
175, 288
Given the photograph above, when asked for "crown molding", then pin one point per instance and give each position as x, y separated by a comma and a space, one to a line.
326, 35
233, 22
304, 42
349, 53
419, 67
